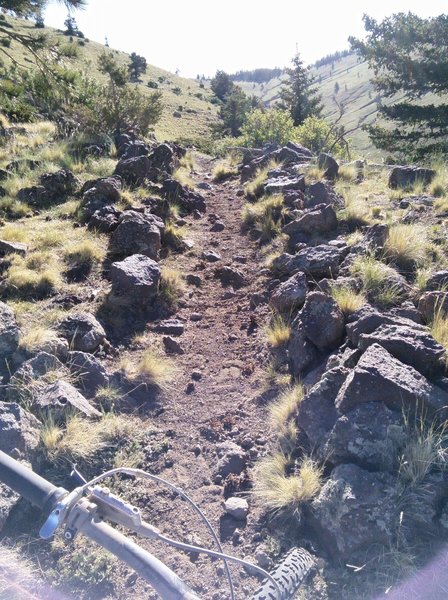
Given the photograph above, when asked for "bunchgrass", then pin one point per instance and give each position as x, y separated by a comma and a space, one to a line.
284, 484
278, 332
406, 246
348, 300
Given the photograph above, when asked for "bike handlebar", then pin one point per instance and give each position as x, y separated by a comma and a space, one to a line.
45, 496
30, 485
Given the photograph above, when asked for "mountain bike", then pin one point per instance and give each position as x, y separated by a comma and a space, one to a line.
86, 509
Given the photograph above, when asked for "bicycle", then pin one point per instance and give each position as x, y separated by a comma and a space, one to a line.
86, 508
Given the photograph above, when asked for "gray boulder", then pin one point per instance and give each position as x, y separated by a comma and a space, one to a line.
19, 430
61, 398
134, 171
9, 331
279, 185
321, 219
369, 436
290, 294
329, 165
316, 413
60, 184
232, 459
302, 354
323, 321
432, 304
379, 377
318, 261
100, 193
367, 319
412, 346
88, 370
321, 193
83, 332
137, 233
236, 508
136, 278
105, 219
437, 281
36, 368
12, 248
355, 511
403, 177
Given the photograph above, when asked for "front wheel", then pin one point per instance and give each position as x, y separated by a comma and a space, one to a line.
289, 575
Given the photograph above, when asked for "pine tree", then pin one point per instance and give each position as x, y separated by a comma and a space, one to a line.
409, 57
136, 67
234, 110
299, 96
221, 84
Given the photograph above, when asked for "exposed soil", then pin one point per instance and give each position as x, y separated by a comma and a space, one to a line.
227, 348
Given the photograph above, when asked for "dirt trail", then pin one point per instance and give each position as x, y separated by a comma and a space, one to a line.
226, 349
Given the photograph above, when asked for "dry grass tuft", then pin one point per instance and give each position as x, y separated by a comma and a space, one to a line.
376, 279
36, 337
282, 484
82, 438
222, 171
282, 415
279, 332
265, 216
172, 287
407, 245
151, 368
86, 252
255, 187
349, 301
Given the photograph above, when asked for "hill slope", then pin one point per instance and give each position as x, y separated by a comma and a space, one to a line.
356, 93
180, 95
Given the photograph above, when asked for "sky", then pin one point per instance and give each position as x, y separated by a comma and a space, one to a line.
201, 36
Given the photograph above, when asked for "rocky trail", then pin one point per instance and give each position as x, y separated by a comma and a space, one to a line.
328, 433
215, 399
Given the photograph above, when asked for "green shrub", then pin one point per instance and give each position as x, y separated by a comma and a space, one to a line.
264, 126
317, 135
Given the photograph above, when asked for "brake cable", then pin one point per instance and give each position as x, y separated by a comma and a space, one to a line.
152, 532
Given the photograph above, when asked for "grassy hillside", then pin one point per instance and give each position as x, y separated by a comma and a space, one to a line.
180, 95
356, 94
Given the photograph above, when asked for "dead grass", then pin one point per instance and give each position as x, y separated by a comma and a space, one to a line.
255, 187
349, 301
151, 368
173, 236
407, 245
425, 452
36, 337
376, 280
86, 252
282, 416
348, 173
182, 175
279, 332
265, 216
82, 438
282, 484
223, 170
172, 287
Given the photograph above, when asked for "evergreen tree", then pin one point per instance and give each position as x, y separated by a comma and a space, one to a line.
136, 67
299, 96
234, 110
336, 88
221, 84
71, 27
408, 55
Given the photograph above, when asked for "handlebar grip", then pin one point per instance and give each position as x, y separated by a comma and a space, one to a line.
161, 578
28, 484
